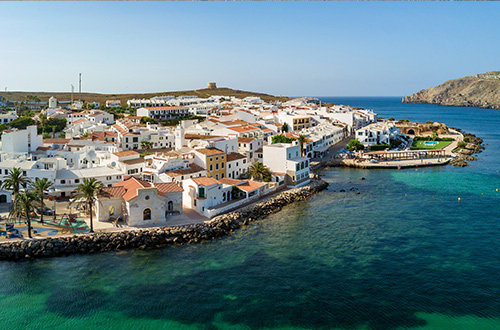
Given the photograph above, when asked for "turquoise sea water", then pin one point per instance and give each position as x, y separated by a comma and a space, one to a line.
402, 254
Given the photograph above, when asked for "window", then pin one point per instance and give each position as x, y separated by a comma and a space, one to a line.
146, 198
222, 176
108, 178
63, 181
217, 177
307, 163
222, 165
244, 161
211, 167
216, 166
146, 214
136, 139
302, 165
201, 192
77, 180
170, 206
195, 202
216, 158
297, 167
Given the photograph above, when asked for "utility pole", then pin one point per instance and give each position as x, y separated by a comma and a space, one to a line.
80, 89
72, 89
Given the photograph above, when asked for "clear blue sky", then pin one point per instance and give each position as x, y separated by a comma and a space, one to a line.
282, 48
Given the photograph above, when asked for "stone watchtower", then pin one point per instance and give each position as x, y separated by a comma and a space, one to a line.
211, 85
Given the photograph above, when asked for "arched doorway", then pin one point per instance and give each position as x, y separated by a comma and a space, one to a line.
146, 214
410, 132
170, 206
3, 199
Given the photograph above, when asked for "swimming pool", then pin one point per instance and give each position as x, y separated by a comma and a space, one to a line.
429, 143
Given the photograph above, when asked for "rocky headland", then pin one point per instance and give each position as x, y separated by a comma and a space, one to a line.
480, 90
464, 152
219, 226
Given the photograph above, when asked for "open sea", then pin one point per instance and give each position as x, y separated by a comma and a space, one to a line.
402, 254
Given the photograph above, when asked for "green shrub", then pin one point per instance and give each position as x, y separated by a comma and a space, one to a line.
378, 147
461, 144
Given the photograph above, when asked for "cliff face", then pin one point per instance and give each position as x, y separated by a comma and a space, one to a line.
480, 90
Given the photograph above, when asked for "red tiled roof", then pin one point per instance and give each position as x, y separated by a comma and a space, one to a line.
169, 187
113, 192
205, 181
131, 185
235, 156
56, 141
125, 153
209, 151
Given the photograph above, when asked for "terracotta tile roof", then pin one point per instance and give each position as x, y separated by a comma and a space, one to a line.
56, 141
42, 148
241, 129
259, 150
112, 192
251, 186
169, 187
245, 139
209, 151
205, 181
193, 168
133, 161
131, 185
199, 137
228, 181
234, 156
125, 153
81, 120
234, 123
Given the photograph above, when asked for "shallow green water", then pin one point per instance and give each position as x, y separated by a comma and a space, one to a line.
402, 254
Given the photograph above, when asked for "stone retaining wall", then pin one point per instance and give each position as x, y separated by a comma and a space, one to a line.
154, 237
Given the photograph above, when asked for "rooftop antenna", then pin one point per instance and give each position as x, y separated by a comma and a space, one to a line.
80, 89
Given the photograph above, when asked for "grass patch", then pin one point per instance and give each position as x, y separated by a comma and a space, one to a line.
416, 145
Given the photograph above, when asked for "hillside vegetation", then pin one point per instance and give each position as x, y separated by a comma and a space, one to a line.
101, 98
480, 90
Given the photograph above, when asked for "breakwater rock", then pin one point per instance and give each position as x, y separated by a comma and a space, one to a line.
474, 145
219, 226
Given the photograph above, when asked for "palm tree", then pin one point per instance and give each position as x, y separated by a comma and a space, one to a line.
23, 206
15, 180
86, 193
41, 186
259, 171
146, 145
302, 142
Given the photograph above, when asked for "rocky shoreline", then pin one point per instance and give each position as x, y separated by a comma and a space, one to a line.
219, 226
474, 146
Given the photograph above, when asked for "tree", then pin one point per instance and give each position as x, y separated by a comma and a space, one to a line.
23, 206
22, 122
40, 187
260, 172
15, 180
285, 127
146, 145
435, 135
86, 193
280, 138
150, 120
355, 145
302, 142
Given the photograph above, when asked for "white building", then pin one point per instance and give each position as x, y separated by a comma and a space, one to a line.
285, 160
378, 133
7, 116
139, 203
21, 141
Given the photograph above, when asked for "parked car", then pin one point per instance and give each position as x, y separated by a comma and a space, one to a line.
46, 211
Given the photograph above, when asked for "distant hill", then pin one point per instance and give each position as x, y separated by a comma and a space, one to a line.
480, 90
101, 98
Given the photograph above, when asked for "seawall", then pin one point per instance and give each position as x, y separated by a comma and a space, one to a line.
219, 226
